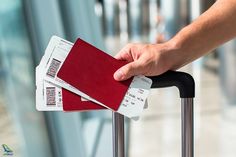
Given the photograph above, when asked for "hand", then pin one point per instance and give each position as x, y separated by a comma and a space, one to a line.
144, 59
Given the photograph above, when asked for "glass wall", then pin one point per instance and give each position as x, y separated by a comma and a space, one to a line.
25, 29
23, 129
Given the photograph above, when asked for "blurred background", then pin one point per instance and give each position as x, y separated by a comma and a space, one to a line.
25, 29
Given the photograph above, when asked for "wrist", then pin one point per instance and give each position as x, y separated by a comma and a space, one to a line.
179, 41
175, 54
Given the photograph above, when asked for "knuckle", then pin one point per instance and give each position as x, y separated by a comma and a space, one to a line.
129, 45
126, 70
146, 46
129, 68
143, 62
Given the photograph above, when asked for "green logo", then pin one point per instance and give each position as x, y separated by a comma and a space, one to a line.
7, 150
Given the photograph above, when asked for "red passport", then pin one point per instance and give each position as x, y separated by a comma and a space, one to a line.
73, 102
91, 71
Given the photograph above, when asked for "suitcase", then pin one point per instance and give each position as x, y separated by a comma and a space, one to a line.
185, 83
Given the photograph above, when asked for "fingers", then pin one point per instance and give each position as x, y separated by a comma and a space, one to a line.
127, 71
136, 66
125, 53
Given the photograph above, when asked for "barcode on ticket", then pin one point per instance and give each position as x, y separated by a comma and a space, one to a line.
53, 68
51, 95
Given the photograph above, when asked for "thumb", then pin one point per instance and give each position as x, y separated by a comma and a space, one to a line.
127, 71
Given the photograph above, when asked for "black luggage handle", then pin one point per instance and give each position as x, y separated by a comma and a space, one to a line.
183, 81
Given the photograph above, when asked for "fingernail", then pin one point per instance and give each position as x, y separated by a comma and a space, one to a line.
118, 75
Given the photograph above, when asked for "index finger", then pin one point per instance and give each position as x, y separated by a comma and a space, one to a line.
125, 53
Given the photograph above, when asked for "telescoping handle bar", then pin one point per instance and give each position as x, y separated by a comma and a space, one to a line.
185, 83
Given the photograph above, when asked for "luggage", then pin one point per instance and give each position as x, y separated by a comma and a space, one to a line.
185, 83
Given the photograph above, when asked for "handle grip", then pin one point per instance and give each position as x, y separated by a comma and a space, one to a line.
183, 81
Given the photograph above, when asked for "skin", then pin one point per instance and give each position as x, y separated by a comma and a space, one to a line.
214, 27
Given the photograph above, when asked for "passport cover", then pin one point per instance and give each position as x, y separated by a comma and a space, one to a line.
91, 71
73, 102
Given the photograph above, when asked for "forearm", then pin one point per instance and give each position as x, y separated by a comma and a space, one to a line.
212, 28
